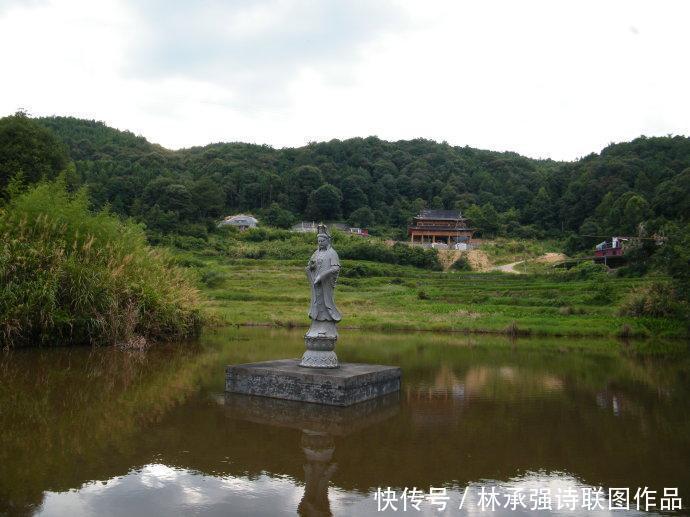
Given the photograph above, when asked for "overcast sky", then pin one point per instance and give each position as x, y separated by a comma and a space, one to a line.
556, 79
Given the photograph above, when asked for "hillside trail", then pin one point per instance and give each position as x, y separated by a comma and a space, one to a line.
509, 268
479, 261
547, 258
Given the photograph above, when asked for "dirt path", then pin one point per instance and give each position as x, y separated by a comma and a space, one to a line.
551, 258
548, 258
509, 268
479, 261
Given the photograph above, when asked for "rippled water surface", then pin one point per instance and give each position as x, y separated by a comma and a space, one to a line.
110, 432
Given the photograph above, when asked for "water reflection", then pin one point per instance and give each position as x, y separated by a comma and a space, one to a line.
157, 489
319, 426
87, 432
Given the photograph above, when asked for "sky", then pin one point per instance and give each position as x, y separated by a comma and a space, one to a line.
547, 79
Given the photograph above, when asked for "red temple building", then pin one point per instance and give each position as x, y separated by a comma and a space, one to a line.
447, 226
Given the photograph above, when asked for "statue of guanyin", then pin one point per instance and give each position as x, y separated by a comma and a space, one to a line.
322, 271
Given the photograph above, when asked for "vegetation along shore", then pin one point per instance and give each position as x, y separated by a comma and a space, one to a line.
109, 239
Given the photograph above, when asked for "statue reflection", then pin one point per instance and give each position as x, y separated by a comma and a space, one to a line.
318, 449
320, 425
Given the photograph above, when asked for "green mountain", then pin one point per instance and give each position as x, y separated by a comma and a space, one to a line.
377, 184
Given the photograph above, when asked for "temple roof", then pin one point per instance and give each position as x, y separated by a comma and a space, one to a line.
445, 215
433, 228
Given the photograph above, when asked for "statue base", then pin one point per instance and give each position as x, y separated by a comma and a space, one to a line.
286, 379
320, 342
319, 359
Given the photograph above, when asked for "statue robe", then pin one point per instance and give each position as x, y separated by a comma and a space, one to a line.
322, 303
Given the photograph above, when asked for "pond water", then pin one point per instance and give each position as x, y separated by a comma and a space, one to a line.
542, 424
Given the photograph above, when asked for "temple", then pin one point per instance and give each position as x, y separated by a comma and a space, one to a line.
447, 226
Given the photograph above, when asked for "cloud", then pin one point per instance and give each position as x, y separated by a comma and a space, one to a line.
542, 78
254, 49
6, 5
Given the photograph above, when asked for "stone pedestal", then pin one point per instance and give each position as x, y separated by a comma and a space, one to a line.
320, 342
348, 384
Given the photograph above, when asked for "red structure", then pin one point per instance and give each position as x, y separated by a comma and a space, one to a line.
362, 232
611, 252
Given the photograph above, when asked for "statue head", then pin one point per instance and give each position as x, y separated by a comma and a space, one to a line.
323, 238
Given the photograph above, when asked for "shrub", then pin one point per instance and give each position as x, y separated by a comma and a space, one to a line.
363, 269
193, 230
189, 262
600, 292
356, 248
212, 278
462, 264
262, 233
188, 242
70, 275
587, 270
656, 299
275, 215
253, 252
568, 310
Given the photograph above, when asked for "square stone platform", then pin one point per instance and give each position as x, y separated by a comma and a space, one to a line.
285, 379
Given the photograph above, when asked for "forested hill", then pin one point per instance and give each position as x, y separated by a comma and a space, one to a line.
366, 180
375, 183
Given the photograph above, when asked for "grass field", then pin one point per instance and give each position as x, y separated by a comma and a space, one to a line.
390, 297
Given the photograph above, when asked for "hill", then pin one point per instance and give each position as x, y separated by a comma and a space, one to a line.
368, 181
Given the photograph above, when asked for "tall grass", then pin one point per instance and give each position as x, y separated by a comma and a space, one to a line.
380, 296
71, 276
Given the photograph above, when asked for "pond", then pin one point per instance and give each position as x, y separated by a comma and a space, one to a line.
539, 423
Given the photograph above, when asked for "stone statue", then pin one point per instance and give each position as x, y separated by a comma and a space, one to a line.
322, 271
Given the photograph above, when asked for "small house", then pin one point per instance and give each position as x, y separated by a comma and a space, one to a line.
307, 227
304, 227
240, 221
611, 251
613, 247
362, 232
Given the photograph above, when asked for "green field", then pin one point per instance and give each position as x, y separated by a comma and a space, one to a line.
390, 297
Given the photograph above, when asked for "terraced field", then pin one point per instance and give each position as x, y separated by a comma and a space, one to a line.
386, 297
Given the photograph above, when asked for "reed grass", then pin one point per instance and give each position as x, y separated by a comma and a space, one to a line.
72, 276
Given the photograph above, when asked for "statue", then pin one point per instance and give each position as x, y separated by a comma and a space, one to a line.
322, 271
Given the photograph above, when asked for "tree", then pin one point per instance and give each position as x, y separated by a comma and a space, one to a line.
302, 182
448, 196
636, 211
208, 198
672, 197
383, 167
325, 202
169, 196
509, 222
540, 210
124, 170
623, 215
29, 149
353, 195
674, 256
275, 215
362, 217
